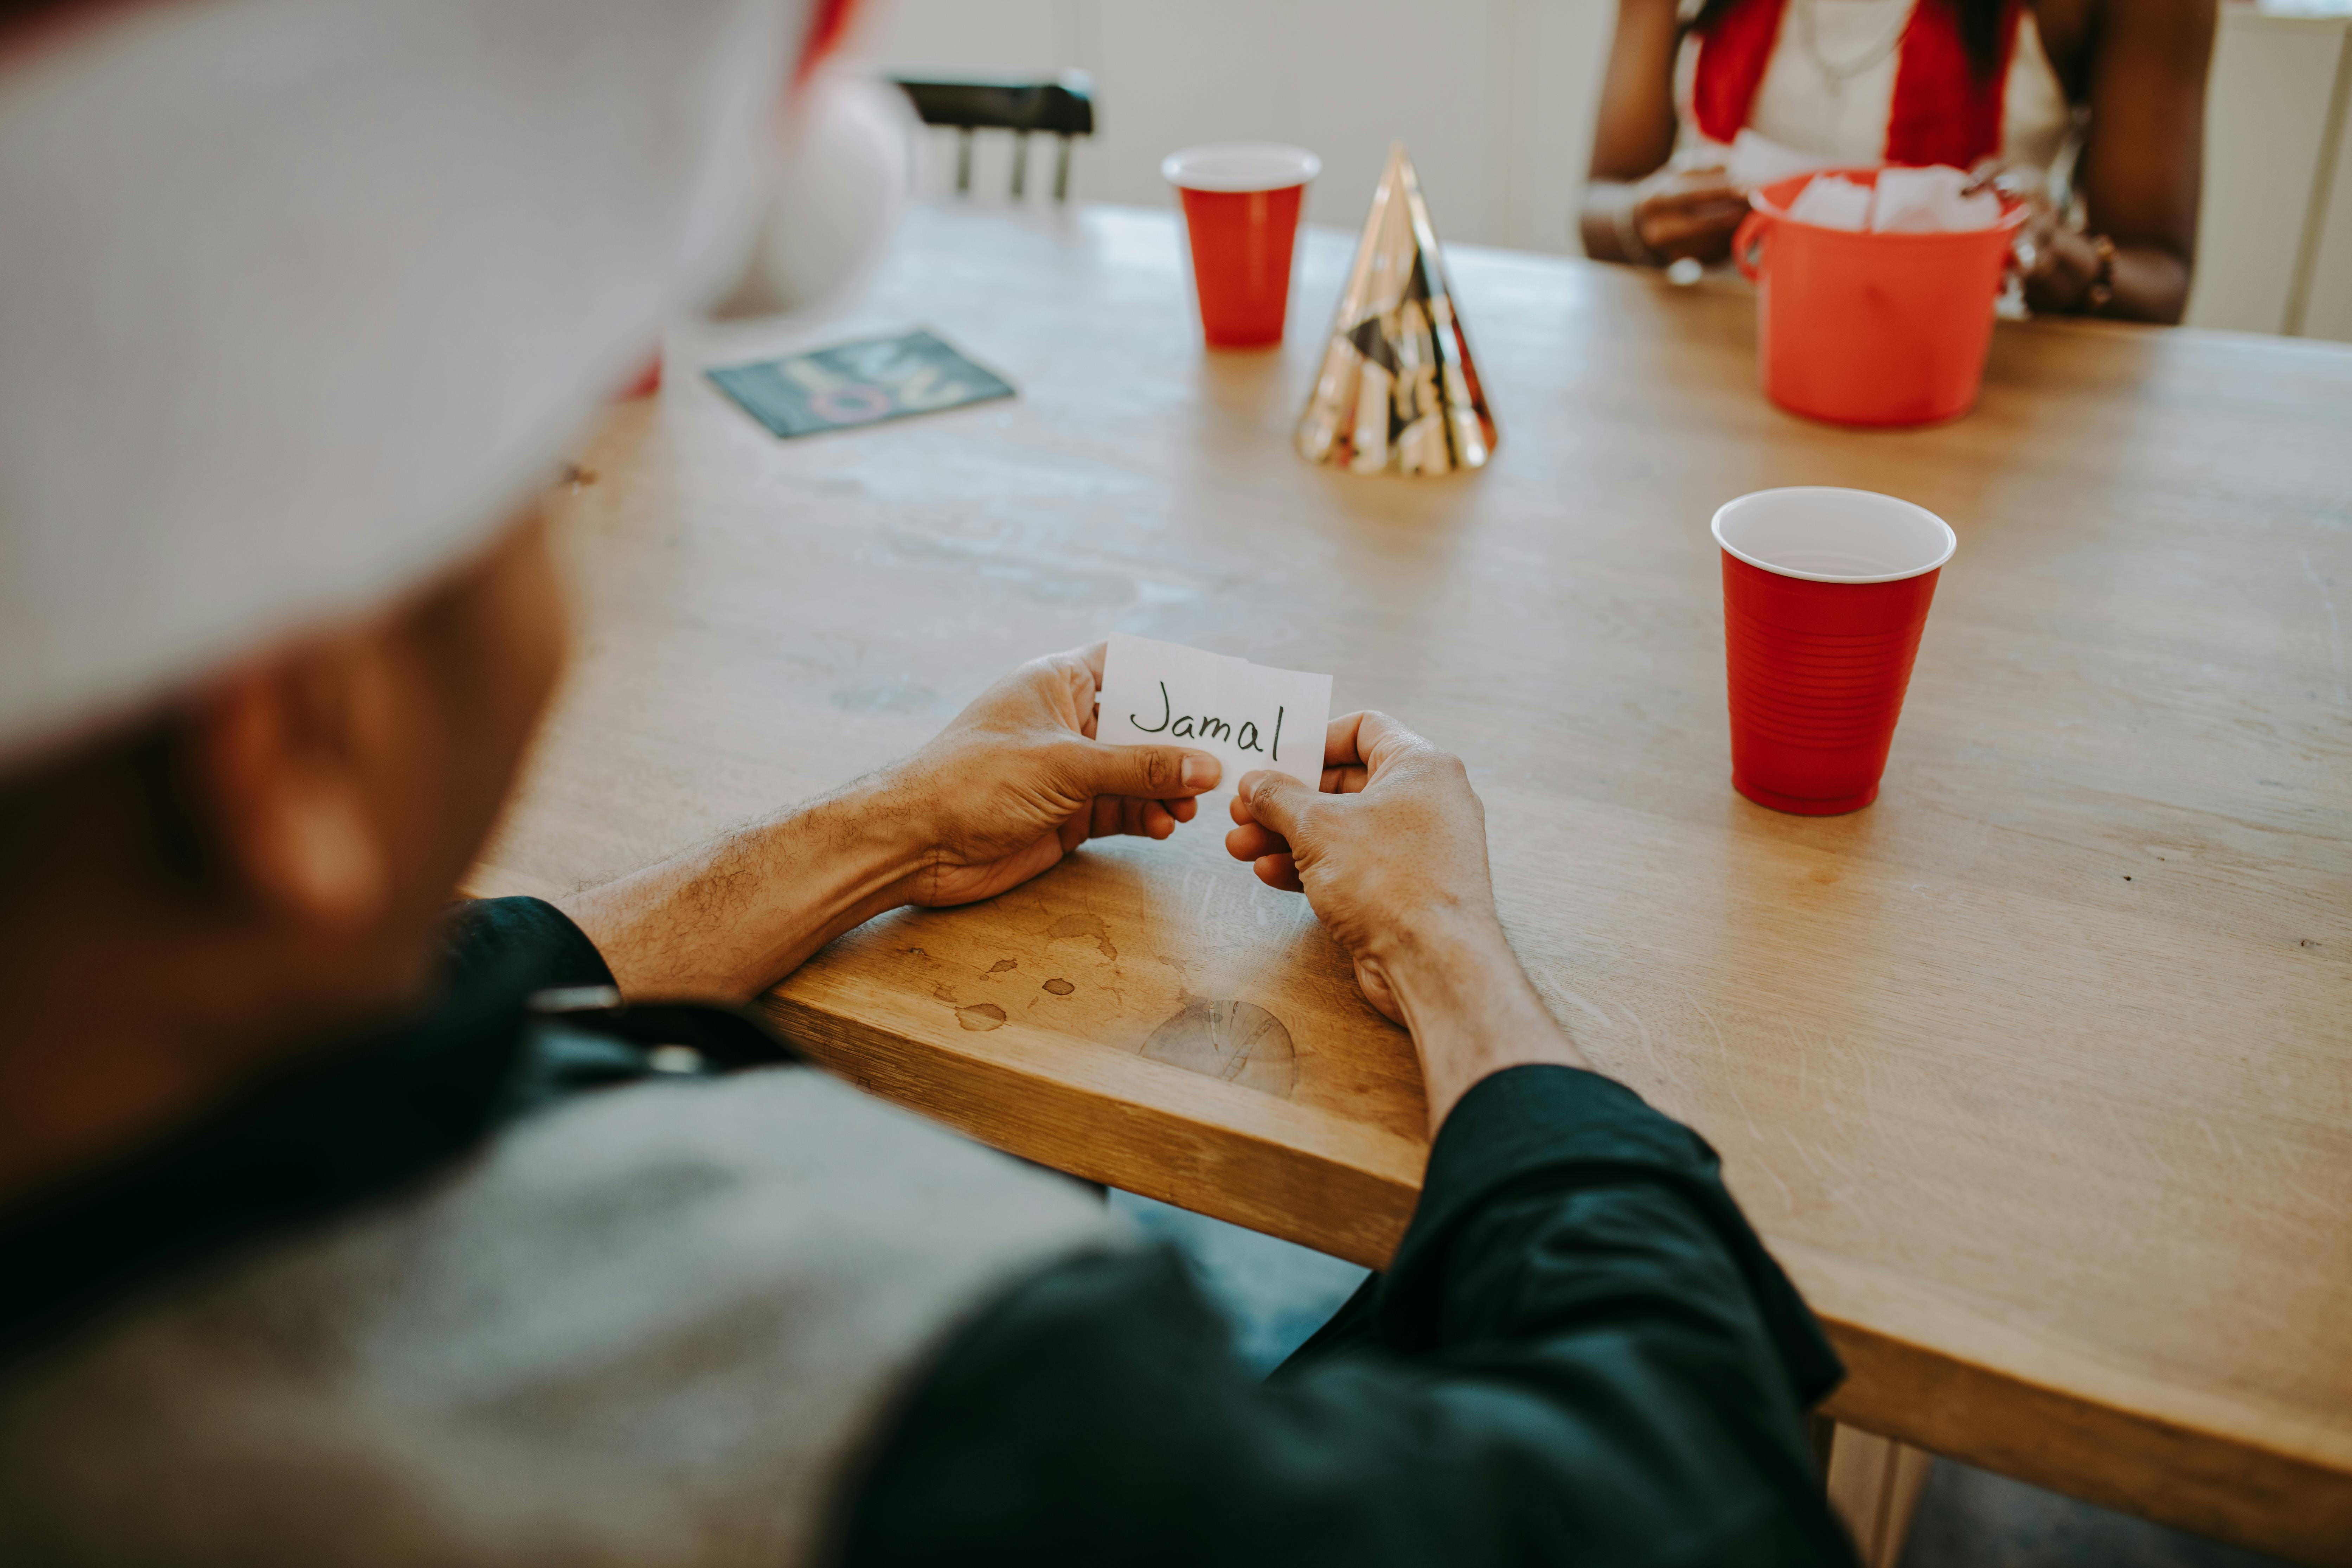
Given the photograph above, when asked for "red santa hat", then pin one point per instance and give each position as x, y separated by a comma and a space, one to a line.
299, 297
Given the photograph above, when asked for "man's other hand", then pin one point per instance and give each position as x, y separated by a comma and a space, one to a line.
1017, 781
1391, 852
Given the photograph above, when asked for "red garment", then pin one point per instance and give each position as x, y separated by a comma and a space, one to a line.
1943, 112
828, 25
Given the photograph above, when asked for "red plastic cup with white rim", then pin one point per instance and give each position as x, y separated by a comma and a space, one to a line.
1825, 593
1240, 208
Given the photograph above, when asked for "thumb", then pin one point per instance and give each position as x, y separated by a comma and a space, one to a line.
1146, 772
1276, 801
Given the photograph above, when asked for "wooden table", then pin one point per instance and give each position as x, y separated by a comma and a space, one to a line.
2037, 1074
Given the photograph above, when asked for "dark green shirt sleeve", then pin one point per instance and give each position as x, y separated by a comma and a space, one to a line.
1581, 1354
518, 945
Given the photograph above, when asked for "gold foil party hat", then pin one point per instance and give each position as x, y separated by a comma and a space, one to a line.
1398, 393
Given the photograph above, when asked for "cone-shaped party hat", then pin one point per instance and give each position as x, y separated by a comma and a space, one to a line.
1398, 393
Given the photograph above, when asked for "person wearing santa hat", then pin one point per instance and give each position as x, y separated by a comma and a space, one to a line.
341, 1228
2093, 109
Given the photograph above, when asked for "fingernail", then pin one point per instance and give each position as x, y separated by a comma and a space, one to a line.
1199, 772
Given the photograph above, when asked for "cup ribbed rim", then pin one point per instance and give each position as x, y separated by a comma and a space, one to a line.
1952, 540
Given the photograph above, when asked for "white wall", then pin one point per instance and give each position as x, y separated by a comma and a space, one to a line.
2327, 294
2274, 102
1494, 99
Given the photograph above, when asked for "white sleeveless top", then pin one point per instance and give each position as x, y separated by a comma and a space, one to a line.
1797, 107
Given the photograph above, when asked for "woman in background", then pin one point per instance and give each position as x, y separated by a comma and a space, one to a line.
2094, 108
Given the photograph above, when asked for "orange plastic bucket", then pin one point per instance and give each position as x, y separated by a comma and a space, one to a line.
1859, 328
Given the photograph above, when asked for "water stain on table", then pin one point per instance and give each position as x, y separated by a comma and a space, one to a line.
981, 1015
1059, 986
1088, 926
1239, 1042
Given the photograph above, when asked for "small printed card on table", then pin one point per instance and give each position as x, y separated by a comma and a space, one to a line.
858, 384
1248, 716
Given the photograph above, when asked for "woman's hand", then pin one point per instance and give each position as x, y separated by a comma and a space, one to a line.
2066, 272
1688, 211
1017, 781
2057, 264
1391, 852
1672, 213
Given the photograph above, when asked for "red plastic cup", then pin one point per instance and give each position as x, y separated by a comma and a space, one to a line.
1859, 328
1825, 592
1240, 208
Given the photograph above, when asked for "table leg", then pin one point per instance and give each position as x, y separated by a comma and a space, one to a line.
1874, 1484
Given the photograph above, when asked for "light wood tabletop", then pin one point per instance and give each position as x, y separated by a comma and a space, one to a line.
2037, 1074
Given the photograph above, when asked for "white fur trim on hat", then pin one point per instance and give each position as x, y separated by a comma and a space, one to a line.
298, 296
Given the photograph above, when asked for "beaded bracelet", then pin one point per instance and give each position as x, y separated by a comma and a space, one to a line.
2103, 281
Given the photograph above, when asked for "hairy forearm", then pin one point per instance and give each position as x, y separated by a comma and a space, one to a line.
734, 915
1469, 1005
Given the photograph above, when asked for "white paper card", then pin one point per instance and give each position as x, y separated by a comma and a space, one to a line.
1832, 201
1928, 201
1248, 716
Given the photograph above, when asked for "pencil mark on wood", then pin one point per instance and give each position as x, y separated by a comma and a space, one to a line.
1724, 1050
1059, 987
1002, 964
1239, 1042
1649, 1046
1085, 926
981, 1015
1794, 1143
1788, 1198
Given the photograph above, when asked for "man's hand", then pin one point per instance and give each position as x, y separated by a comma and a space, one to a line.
1017, 781
1391, 852
1394, 843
